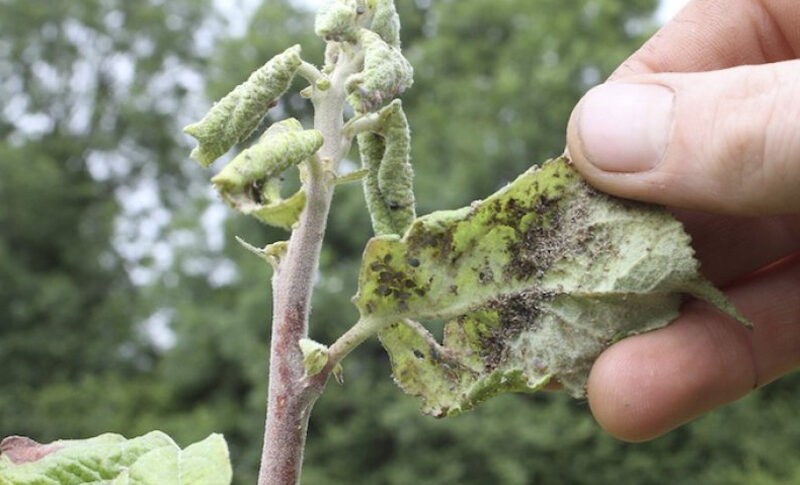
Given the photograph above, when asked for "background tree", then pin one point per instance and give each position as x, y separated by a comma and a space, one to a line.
91, 92
494, 85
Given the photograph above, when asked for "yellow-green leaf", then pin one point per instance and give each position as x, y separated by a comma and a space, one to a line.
250, 183
237, 115
152, 459
386, 74
386, 22
336, 21
267, 159
388, 185
535, 281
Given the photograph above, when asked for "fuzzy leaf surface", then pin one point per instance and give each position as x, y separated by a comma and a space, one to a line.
389, 184
251, 182
535, 282
152, 459
386, 74
238, 114
337, 21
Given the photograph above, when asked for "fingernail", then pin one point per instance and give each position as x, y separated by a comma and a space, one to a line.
626, 127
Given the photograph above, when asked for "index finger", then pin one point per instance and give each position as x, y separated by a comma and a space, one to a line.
709, 35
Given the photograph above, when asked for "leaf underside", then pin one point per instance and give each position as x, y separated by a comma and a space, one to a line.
535, 282
251, 182
152, 459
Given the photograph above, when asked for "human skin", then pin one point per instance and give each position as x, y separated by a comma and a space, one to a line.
705, 118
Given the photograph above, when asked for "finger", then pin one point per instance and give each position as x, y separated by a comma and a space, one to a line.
716, 34
647, 385
723, 141
730, 247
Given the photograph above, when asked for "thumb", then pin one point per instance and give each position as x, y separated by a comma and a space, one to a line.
721, 141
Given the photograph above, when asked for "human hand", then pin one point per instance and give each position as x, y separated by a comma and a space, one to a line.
705, 118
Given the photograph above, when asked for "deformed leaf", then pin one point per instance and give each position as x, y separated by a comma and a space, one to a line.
250, 182
274, 152
282, 213
238, 114
536, 281
340, 20
386, 74
386, 22
336, 21
388, 185
152, 459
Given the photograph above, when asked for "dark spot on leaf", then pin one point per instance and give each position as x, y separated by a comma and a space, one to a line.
517, 313
418, 354
413, 262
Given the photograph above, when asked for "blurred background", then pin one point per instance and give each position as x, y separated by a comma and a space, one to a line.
126, 305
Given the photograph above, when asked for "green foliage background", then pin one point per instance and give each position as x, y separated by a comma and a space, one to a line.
95, 92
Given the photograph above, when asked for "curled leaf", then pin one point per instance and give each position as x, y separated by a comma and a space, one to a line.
536, 281
336, 21
265, 203
277, 150
238, 114
152, 459
386, 22
250, 182
386, 74
279, 212
340, 20
388, 185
